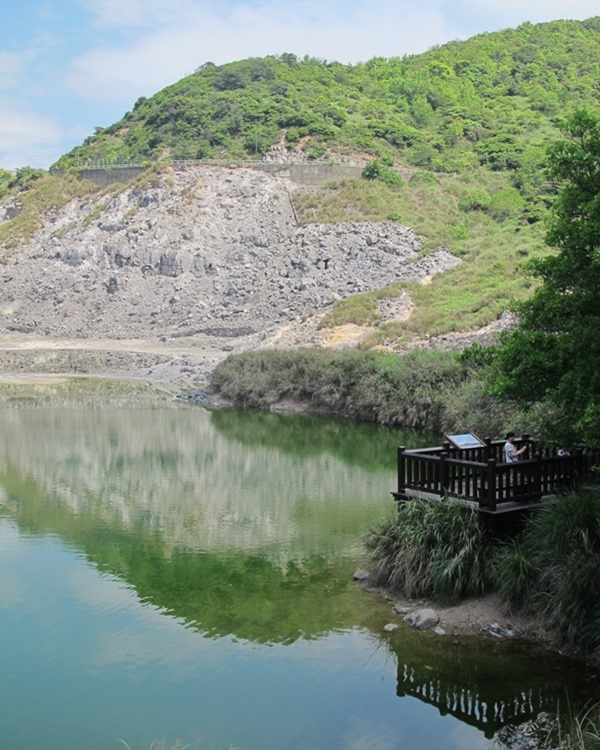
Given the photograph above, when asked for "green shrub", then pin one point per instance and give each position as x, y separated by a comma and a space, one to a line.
423, 178
554, 570
515, 574
435, 549
411, 390
380, 169
505, 203
475, 199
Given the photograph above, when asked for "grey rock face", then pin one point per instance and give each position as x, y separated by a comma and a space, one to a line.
209, 250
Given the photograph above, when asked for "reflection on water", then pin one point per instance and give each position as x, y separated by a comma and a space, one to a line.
490, 685
190, 571
201, 480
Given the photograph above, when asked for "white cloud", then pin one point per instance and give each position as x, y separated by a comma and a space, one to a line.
26, 138
470, 17
165, 54
11, 67
142, 13
537, 9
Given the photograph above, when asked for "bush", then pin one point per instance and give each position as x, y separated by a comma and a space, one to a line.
435, 549
553, 571
381, 170
411, 390
475, 199
423, 178
505, 203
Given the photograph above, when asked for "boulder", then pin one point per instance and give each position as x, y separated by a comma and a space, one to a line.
422, 619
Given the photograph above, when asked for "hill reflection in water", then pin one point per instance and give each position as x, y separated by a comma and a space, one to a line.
212, 516
248, 525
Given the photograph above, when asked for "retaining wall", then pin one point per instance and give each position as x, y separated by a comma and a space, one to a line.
309, 174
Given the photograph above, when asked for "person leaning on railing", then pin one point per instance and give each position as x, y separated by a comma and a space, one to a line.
511, 453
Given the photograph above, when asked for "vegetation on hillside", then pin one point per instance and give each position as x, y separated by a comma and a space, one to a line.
492, 101
479, 114
552, 358
35, 192
477, 215
472, 119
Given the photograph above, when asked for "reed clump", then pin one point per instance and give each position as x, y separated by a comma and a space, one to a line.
437, 549
553, 569
432, 549
410, 390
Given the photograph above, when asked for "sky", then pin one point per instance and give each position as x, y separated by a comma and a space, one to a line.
68, 66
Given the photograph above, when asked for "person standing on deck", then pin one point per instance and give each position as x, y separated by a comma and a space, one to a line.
511, 454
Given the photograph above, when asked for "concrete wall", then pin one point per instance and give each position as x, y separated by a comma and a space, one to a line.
104, 176
311, 174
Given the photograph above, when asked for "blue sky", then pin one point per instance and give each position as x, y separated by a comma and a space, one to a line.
67, 66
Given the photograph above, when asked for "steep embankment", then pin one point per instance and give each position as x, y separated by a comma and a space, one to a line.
163, 279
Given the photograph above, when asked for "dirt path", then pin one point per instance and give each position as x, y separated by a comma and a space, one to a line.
26, 359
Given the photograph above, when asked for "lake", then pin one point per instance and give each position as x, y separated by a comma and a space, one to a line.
179, 576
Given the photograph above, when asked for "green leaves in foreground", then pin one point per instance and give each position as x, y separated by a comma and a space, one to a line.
432, 549
553, 356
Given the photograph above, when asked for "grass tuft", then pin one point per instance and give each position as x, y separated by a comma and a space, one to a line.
553, 571
434, 549
492, 243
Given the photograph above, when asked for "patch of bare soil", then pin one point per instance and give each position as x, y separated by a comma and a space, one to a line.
478, 616
486, 615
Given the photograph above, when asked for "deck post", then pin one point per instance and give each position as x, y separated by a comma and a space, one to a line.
488, 448
491, 484
443, 473
579, 465
537, 475
401, 463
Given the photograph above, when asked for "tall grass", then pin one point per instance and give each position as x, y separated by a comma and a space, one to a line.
493, 245
553, 570
578, 732
432, 549
437, 549
423, 389
47, 192
411, 390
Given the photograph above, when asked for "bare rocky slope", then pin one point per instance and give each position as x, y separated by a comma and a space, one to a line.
163, 280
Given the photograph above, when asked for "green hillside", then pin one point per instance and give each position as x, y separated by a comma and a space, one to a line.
490, 101
473, 119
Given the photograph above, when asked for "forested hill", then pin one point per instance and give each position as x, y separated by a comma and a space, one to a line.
491, 100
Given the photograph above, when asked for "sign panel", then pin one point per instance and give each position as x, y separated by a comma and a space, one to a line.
464, 441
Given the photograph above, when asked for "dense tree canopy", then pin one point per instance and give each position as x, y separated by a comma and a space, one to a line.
553, 356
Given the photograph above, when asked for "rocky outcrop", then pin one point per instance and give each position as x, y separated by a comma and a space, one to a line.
205, 251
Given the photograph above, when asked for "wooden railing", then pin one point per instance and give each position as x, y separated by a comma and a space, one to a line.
481, 475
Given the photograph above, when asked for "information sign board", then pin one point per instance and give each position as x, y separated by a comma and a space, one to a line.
464, 441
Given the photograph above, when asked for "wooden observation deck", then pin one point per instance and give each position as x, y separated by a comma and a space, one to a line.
480, 475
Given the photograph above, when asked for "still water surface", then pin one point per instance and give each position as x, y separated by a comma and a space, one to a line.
175, 574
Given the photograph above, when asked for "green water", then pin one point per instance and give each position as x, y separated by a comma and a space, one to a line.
173, 574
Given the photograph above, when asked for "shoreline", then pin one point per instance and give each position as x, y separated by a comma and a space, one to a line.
482, 616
